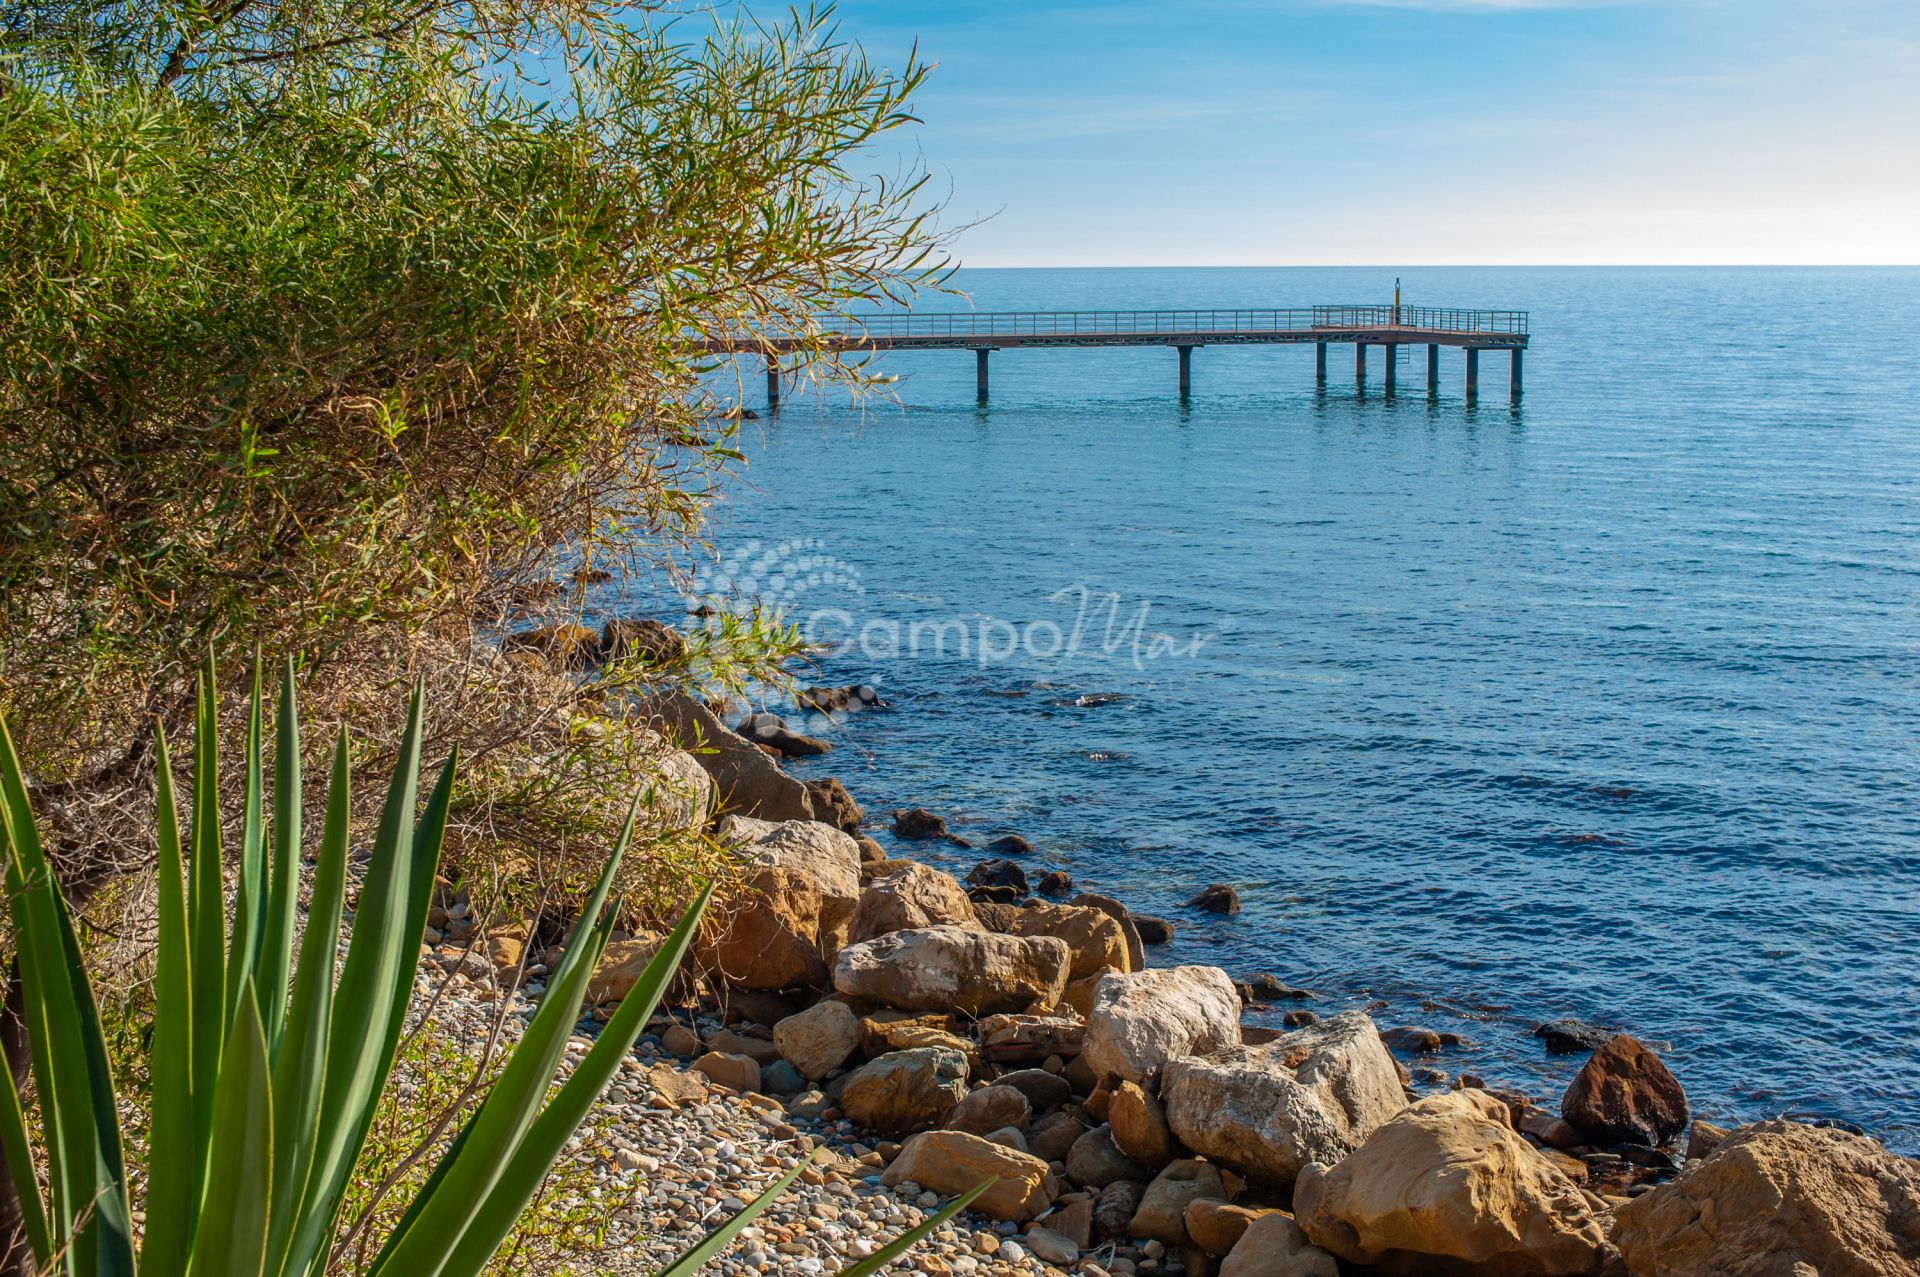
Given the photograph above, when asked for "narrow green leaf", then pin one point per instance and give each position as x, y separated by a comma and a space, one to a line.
913, 1236
569, 1107
172, 1198
17, 1146
232, 1237
381, 959
108, 1229
206, 920
272, 967
300, 1070
504, 1117
53, 1020
722, 1237
250, 888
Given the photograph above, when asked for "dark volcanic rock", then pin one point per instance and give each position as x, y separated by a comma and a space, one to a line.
1153, 930
1218, 898
1057, 883
999, 873
922, 825
1625, 1095
1571, 1037
1010, 845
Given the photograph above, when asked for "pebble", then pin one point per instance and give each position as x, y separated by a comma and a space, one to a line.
664, 1176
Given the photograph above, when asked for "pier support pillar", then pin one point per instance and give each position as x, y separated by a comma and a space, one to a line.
1473, 371
1515, 379
773, 383
1433, 368
980, 370
1320, 363
1393, 361
1186, 370
1359, 363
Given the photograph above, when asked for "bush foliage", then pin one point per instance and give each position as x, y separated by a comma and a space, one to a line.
342, 314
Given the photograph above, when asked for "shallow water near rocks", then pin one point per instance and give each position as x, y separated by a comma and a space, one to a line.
1601, 706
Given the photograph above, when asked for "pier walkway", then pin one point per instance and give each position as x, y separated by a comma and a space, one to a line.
983, 332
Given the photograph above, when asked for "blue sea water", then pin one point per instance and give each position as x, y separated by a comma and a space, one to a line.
1604, 705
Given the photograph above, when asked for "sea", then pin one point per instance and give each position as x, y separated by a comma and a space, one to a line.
1601, 704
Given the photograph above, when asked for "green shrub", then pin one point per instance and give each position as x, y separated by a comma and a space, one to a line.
265, 1066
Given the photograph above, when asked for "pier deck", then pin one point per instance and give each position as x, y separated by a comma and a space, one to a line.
1388, 327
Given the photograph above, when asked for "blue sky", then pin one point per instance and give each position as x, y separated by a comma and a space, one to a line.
1229, 132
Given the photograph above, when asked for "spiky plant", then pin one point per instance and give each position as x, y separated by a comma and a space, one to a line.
265, 1067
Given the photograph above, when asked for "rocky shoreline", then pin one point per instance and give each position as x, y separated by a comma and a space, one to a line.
930, 1033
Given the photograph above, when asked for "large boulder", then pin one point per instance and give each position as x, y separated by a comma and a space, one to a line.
748, 780
1780, 1199
1450, 1186
1095, 938
1312, 1095
765, 935
954, 969
1624, 1095
818, 1040
906, 1090
1274, 1246
1140, 1021
831, 856
909, 899
950, 1162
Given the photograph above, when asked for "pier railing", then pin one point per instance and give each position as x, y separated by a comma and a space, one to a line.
1174, 323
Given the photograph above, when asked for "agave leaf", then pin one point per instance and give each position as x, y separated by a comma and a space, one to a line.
206, 920
232, 1237
906, 1241
569, 1107
53, 1019
271, 967
300, 1069
172, 1198
108, 1230
720, 1238
16, 1145
379, 969
250, 889
448, 1204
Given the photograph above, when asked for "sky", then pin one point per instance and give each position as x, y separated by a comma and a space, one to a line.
1303, 132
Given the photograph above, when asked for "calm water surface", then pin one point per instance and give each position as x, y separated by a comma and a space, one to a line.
1603, 706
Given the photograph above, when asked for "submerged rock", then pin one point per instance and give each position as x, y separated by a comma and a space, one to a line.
921, 825
1218, 898
1571, 1037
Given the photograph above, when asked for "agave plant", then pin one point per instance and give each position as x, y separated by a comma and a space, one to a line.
265, 1070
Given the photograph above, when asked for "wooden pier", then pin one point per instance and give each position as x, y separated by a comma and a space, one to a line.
1184, 331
